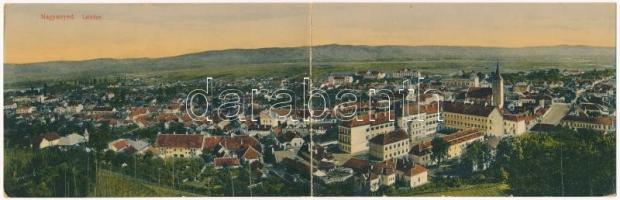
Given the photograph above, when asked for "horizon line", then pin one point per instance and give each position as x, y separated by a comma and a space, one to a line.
305, 46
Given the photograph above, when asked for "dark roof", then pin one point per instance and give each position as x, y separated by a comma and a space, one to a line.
479, 92
287, 137
357, 164
48, 136
468, 109
51, 136
388, 138
297, 165
422, 149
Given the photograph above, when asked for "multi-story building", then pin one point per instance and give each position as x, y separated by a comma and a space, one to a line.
602, 124
390, 145
411, 174
516, 124
179, 145
487, 119
421, 153
353, 135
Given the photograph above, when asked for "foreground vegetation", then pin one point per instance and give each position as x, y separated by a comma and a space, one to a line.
487, 189
562, 162
110, 184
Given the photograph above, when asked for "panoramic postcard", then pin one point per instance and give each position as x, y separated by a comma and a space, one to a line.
309, 99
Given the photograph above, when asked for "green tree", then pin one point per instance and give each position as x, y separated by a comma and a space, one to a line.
477, 157
439, 149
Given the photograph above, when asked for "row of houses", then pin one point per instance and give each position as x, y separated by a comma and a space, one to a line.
228, 151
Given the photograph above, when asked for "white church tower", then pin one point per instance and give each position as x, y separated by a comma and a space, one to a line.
498, 89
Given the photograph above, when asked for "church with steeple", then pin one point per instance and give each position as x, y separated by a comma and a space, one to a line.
498, 89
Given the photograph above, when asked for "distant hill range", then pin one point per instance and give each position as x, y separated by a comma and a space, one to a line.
297, 55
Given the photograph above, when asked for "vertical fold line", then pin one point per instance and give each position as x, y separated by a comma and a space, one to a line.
311, 144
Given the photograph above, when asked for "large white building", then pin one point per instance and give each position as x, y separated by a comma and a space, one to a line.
390, 145
353, 135
487, 119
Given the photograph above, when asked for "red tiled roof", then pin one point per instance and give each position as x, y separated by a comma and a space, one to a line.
231, 143
137, 111
211, 142
415, 170
120, 144
179, 140
364, 119
186, 117
227, 161
251, 153
413, 108
167, 117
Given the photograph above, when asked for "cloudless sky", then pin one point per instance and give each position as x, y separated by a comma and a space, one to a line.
158, 30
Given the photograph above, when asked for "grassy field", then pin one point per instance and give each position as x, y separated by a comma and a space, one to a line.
300, 69
494, 189
111, 184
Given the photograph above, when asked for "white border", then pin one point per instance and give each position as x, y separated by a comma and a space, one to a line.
299, 1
